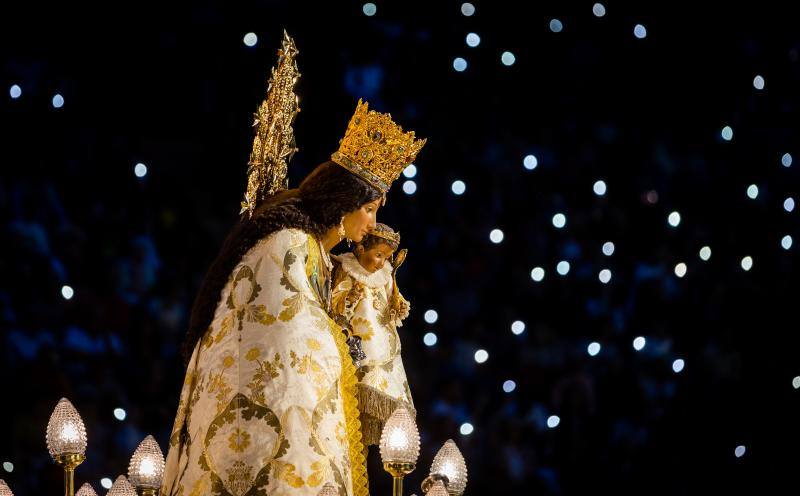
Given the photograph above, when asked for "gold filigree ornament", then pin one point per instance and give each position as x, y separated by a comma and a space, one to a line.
274, 143
375, 148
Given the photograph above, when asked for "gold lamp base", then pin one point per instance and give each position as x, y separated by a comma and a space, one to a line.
147, 491
69, 461
398, 470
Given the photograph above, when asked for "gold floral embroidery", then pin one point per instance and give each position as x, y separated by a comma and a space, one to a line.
243, 293
299, 363
239, 440
341, 433
240, 407
199, 488
380, 305
346, 295
292, 307
214, 464
267, 370
258, 313
217, 384
240, 477
304, 363
318, 475
285, 472
362, 328
224, 327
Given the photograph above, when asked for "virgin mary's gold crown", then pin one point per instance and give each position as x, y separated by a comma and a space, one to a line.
375, 148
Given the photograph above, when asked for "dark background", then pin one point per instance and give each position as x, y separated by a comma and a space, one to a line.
172, 85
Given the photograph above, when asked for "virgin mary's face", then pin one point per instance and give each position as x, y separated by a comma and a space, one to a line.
361, 221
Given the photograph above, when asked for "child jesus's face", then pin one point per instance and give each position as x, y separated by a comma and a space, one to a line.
374, 258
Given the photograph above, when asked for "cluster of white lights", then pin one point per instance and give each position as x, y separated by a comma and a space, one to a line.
496, 236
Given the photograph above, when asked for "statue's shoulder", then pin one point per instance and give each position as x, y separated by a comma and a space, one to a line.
286, 239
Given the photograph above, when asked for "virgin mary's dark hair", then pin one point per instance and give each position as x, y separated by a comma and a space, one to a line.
323, 198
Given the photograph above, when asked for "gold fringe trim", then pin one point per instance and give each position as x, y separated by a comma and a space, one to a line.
376, 407
358, 462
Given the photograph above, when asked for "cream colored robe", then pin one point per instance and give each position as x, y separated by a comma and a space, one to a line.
268, 405
362, 299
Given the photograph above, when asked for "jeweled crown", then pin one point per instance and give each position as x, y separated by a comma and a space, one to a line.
375, 148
